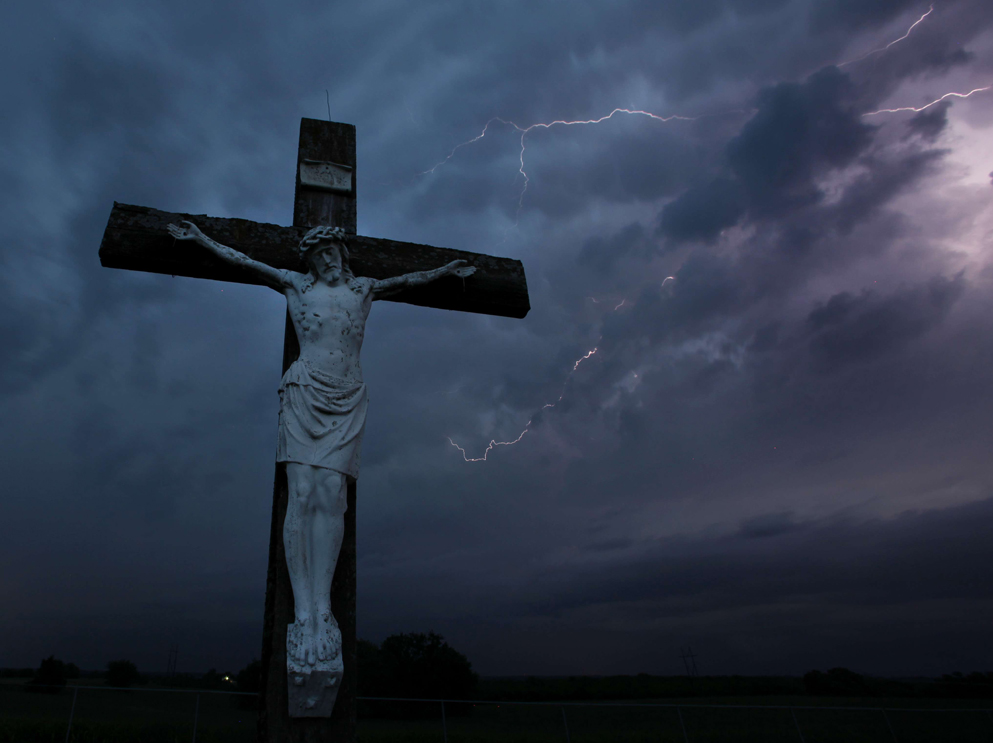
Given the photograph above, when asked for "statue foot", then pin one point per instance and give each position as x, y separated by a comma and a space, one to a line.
301, 647
312, 685
328, 639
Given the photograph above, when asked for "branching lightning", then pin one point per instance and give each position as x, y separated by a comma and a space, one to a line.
494, 443
895, 41
927, 105
548, 125
915, 109
562, 122
466, 143
525, 130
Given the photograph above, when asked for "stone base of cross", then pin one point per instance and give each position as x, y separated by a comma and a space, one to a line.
309, 702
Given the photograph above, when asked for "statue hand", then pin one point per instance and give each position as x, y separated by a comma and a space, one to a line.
188, 231
460, 268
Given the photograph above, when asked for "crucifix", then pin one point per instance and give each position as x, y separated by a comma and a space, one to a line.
330, 276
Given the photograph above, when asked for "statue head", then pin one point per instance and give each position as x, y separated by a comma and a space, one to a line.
315, 247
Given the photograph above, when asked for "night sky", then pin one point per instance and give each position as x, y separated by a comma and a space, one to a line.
780, 456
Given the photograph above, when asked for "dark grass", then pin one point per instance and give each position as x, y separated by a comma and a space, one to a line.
105, 716
118, 716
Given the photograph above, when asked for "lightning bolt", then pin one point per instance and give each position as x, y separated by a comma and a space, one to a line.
494, 443
524, 130
563, 122
895, 41
575, 366
466, 143
927, 105
915, 109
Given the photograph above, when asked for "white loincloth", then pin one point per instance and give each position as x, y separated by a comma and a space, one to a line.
321, 419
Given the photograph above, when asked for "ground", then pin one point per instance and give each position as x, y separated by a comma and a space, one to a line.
151, 716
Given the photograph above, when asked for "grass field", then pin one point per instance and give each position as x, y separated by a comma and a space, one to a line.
102, 715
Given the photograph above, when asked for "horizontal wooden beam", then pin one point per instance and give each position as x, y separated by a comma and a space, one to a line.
136, 239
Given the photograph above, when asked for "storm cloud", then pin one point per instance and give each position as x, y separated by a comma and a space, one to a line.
762, 331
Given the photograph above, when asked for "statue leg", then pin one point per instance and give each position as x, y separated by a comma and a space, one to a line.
297, 544
328, 530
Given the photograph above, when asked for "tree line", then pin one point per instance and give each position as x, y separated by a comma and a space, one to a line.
424, 666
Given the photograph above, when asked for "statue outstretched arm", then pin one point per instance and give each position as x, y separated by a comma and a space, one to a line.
387, 287
273, 277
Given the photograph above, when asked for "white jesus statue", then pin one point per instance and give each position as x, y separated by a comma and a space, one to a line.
322, 413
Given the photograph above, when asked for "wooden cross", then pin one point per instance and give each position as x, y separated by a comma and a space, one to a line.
136, 239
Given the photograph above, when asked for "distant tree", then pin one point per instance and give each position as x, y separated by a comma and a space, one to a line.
414, 665
249, 680
836, 682
72, 671
123, 673
418, 665
11, 673
372, 675
212, 680
50, 676
974, 685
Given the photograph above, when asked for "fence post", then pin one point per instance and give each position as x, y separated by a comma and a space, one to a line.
444, 725
196, 717
682, 724
72, 711
887, 718
798, 731
565, 722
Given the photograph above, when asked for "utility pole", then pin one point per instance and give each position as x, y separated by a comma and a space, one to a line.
171, 663
689, 660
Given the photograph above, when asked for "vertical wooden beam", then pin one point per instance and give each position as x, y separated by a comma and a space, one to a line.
320, 142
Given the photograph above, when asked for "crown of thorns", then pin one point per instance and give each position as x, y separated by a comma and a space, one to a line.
322, 234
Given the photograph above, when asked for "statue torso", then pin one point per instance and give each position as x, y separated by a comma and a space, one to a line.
330, 323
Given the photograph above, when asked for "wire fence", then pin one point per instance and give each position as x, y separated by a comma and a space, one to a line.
103, 713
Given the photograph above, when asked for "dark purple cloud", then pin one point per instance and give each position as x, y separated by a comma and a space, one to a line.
780, 455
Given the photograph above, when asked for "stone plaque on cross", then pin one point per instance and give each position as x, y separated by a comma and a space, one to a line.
330, 276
